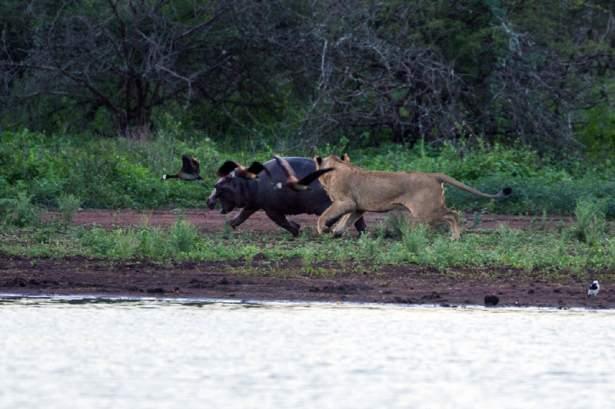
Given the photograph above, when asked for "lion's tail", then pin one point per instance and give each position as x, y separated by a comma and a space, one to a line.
442, 178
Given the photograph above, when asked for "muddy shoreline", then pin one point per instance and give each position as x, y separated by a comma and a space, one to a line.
260, 280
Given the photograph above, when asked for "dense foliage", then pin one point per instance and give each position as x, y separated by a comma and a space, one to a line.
305, 73
66, 172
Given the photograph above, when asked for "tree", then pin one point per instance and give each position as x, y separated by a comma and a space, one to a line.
125, 57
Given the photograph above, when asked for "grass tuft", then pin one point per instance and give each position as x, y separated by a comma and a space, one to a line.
590, 226
19, 210
68, 204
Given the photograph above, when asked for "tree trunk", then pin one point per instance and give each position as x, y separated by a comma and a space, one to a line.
136, 124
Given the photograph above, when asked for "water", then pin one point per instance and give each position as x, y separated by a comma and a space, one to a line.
169, 354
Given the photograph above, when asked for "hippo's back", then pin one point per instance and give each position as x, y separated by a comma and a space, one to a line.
285, 200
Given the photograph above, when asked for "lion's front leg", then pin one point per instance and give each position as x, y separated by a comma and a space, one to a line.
332, 214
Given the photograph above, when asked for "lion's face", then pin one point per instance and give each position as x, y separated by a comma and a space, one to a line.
334, 162
331, 161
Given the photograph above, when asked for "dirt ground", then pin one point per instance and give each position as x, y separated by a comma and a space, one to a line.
214, 221
262, 279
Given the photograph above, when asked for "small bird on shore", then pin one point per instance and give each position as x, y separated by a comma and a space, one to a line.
491, 300
189, 171
292, 181
593, 289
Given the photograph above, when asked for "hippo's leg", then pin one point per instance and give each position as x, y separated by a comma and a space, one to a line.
347, 220
360, 225
241, 217
283, 222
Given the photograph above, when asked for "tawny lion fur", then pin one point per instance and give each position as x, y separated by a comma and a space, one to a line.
354, 191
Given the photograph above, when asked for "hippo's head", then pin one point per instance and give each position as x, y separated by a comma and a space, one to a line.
231, 191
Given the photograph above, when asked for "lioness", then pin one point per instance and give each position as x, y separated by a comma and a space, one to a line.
355, 190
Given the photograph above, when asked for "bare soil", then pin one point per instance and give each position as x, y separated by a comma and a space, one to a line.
207, 220
263, 279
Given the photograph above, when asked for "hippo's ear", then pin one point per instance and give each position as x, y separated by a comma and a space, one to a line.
346, 158
227, 167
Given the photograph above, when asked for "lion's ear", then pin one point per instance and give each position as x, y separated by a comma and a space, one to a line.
318, 161
346, 157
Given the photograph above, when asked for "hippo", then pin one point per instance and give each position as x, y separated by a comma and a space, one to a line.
269, 192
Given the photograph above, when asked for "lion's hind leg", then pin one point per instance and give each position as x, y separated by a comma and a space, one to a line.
347, 220
452, 219
434, 216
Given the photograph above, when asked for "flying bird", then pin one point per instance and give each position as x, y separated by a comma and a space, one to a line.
189, 171
241, 171
593, 289
292, 181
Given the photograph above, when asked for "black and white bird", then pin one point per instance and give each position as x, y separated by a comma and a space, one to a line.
189, 171
593, 289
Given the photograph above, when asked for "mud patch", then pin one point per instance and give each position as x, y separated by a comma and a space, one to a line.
388, 284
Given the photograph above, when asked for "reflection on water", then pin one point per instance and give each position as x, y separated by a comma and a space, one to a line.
88, 353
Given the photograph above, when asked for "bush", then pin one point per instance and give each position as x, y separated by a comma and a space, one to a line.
68, 204
19, 211
183, 237
123, 173
393, 226
415, 239
590, 226
103, 173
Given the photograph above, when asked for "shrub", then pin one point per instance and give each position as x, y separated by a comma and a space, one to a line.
68, 204
19, 211
393, 226
590, 225
183, 236
415, 239
120, 173
153, 243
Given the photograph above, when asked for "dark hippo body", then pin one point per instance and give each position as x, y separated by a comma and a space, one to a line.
262, 194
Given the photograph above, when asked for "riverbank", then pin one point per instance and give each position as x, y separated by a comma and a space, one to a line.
523, 261
288, 280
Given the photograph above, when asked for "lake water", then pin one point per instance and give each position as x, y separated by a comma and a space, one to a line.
71, 353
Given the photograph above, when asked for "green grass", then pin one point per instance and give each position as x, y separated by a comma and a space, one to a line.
68, 171
549, 252
68, 204
19, 210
